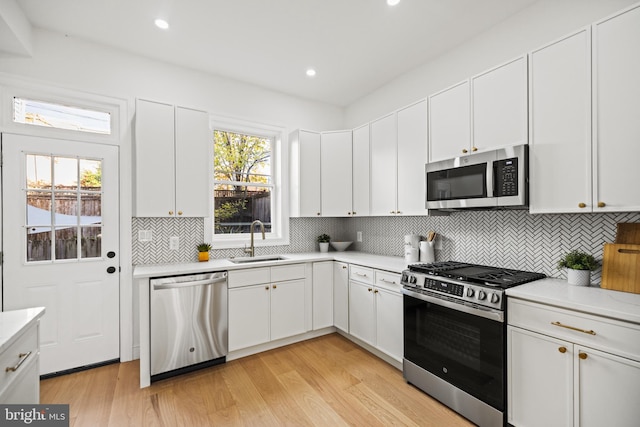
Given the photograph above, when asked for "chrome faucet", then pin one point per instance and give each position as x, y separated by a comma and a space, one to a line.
252, 249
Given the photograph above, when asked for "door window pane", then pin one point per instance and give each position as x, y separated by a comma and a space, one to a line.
66, 239
65, 173
38, 171
38, 244
91, 242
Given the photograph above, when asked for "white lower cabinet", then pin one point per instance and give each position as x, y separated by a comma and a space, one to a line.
322, 294
341, 296
375, 309
274, 308
20, 378
567, 368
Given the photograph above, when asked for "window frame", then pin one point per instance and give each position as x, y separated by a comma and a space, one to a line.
280, 178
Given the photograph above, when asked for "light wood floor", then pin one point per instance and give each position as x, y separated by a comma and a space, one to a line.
326, 381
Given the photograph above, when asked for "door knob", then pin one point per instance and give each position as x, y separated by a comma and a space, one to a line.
111, 254
111, 270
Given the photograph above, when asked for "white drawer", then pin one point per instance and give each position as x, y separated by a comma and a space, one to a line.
387, 280
597, 332
361, 274
26, 345
287, 272
249, 276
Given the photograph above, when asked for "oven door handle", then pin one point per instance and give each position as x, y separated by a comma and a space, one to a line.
490, 314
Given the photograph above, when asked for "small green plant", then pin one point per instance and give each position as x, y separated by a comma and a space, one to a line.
324, 238
204, 247
578, 260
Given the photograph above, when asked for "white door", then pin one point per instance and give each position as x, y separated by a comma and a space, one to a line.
60, 225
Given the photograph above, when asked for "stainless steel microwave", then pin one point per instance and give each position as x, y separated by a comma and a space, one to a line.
489, 179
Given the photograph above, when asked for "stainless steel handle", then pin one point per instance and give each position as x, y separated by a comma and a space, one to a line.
487, 313
573, 328
361, 274
23, 357
188, 284
393, 282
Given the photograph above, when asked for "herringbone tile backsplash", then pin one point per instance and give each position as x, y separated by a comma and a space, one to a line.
510, 239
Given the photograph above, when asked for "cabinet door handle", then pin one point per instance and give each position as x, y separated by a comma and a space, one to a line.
582, 205
370, 289
582, 356
23, 357
266, 287
601, 204
275, 286
344, 267
179, 212
465, 151
170, 212
474, 149
562, 349
573, 328
375, 292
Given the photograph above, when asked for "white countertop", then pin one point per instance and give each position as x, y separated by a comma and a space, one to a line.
588, 299
12, 323
381, 262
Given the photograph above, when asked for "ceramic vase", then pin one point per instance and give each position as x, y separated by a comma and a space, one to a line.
579, 277
324, 246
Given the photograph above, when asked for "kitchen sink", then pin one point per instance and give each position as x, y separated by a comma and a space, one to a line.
249, 260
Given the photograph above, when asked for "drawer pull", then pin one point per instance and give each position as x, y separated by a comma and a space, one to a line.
582, 356
562, 349
361, 274
393, 282
23, 357
584, 331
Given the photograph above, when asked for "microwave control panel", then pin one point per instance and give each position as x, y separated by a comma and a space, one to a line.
505, 173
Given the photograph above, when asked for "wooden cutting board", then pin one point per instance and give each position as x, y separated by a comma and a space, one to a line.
621, 267
628, 233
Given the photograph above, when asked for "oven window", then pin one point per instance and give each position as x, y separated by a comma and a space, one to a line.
462, 349
466, 182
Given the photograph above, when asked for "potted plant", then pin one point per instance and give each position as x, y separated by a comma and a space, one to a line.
203, 252
323, 241
579, 266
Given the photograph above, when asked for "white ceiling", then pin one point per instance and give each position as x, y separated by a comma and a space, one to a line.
356, 46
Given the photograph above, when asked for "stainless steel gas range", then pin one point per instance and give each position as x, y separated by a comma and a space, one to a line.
455, 335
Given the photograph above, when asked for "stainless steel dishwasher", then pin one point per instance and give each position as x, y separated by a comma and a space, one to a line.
189, 326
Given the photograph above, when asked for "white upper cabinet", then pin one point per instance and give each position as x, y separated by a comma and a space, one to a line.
412, 156
361, 187
560, 125
616, 112
336, 174
398, 155
172, 155
305, 173
499, 106
384, 157
450, 123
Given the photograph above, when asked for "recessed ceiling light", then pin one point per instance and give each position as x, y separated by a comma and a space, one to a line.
393, 2
161, 23
311, 72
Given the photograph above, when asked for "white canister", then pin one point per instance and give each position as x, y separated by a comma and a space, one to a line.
413, 240
427, 253
410, 254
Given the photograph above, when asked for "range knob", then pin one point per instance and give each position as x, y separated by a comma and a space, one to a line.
482, 295
470, 292
495, 298
412, 280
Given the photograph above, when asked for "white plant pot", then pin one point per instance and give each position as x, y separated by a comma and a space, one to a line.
324, 246
579, 277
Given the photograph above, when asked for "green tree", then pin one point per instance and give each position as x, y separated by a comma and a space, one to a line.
91, 179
